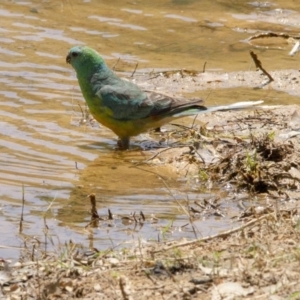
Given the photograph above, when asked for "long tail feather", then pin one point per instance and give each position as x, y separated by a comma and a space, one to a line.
234, 106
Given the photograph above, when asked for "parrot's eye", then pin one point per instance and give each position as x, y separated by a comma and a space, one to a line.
74, 54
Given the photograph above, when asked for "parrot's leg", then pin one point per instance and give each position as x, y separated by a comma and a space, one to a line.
123, 143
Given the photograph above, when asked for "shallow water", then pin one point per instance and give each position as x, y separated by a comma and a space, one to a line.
55, 163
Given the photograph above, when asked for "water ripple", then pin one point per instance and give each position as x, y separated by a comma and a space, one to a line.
117, 22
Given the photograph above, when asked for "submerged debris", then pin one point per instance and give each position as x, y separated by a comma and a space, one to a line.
259, 40
110, 218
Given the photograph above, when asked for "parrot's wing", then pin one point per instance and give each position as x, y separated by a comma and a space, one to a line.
126, 101
167, 105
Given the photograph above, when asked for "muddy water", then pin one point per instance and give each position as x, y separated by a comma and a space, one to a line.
54, 163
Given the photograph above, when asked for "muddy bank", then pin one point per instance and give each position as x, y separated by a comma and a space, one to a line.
251, 156
254, 152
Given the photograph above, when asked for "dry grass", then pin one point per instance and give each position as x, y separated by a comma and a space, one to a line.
262, 258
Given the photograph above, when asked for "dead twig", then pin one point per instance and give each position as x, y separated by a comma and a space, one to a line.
204, 66
134, 69
211, 237
114, 66
158, 153
94, 212
259, 66
22, 212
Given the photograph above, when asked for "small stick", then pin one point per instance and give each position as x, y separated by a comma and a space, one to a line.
94, 212
110, 215
116, 64
81, 110
143, 216
134, 69
259, 66
46, 229
22, 212
295, 49
203, 69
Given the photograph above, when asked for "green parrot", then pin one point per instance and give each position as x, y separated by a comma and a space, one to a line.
124, 107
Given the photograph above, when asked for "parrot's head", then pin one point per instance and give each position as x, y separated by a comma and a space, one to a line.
83, 57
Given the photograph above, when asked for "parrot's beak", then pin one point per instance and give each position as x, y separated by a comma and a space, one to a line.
68, 59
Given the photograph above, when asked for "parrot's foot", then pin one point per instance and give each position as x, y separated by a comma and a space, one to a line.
123, 143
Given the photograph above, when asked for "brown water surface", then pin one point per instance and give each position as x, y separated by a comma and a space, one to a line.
58, 162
